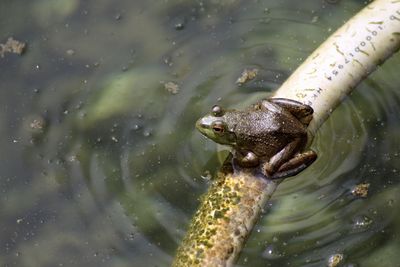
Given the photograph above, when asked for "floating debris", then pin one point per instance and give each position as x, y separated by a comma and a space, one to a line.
179, 26
171, 87
12, 46
179, 23
118, 16
37, 124
247, 75
206, 175
315, 19
360, 222
335, 259
361, 190
70, 52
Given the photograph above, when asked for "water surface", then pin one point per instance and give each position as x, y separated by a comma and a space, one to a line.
100, 162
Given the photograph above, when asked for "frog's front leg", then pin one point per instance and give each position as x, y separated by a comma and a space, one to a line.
247, 159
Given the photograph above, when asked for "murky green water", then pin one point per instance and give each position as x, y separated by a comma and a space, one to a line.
101, 165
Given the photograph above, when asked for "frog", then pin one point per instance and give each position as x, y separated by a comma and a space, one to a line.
270, 135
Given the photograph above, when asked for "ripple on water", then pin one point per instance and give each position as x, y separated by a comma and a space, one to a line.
126, 164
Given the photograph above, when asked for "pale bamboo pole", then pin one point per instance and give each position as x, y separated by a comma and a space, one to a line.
229, 210
345, 59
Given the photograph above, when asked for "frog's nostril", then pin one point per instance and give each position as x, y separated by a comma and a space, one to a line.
204, 123
200, 124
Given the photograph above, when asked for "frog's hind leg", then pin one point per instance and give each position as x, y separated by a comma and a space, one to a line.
287, 163
283, 156
301, 111
295, 165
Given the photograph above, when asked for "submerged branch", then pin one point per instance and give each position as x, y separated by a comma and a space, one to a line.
229, 210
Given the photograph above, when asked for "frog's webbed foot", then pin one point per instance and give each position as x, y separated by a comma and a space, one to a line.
295, 165
247, 159
301, 111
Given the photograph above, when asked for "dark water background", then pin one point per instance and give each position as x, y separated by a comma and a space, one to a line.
100, 165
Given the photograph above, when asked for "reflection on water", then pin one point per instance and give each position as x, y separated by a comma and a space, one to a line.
100, 162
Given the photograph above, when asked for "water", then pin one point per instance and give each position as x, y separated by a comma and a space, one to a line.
100, 162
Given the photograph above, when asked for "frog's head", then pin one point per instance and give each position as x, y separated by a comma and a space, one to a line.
215, 126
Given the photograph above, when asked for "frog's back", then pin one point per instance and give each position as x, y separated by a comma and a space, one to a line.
264, 124
266, 133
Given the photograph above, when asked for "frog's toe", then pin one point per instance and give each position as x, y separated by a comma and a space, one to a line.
289, 173
298, 109
267, 169
305, 158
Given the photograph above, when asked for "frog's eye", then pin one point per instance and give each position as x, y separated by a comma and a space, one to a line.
218, 127
217, 111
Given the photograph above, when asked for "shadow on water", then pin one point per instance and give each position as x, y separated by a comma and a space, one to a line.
100, 162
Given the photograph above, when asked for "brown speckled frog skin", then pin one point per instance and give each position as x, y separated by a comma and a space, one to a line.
270, 134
